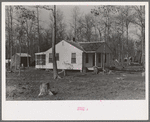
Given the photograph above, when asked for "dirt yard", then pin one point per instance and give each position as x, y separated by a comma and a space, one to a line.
119, 85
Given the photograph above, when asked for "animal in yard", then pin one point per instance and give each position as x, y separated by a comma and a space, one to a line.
45, 89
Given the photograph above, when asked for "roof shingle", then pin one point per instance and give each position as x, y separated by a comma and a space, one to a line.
93, 46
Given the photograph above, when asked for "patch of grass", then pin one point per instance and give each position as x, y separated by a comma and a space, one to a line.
75, 86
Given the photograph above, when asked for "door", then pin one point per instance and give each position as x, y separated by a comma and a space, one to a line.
24, 61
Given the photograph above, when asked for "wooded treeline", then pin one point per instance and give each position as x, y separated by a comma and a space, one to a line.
122, 27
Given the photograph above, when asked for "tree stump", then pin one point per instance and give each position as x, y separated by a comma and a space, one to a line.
45, 89
96, 69
85, 69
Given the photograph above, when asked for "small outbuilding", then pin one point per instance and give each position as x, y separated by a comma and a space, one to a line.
15, 60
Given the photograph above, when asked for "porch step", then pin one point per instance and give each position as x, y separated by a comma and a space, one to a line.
91, 68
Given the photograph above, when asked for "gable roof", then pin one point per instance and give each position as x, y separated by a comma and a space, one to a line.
77, 45
90, 46
83, 46
23, 54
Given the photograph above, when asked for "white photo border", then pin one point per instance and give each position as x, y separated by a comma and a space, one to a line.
67, 110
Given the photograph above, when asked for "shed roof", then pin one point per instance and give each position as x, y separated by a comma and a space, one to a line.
23, 55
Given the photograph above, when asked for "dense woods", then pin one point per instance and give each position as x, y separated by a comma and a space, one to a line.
122, 27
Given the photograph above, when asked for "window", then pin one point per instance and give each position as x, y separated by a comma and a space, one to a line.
40, 59
87, 58
99, 58
50, 58
73, 58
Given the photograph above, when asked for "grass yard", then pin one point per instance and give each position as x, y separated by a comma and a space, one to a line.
120, 85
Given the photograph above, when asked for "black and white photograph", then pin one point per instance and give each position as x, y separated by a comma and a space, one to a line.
73, 56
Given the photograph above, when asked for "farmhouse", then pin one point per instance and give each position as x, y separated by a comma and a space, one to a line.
75, 55
15, 60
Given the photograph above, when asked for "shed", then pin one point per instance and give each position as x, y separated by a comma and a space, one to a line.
15, 60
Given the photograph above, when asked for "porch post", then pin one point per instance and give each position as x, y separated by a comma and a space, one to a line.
83, 62
95, 59
101, 59
109, 59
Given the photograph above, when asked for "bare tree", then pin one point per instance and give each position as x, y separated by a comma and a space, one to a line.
105, 13
140, 21
119, 28
55, 71
128, 18
38, 30
88, 26
9, 29
75, 18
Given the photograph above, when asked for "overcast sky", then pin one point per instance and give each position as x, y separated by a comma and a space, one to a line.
67, 11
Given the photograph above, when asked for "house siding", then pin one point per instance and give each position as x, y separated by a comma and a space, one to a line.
65, 50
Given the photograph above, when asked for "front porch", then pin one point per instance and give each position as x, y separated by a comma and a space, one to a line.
97, 59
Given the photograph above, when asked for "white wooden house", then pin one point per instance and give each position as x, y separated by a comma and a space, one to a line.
75, 55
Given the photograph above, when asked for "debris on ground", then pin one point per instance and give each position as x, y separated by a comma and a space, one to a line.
120, 78
123, 75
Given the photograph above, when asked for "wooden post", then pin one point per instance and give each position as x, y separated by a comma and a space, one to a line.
64, 72
101, 59
95, 59
109, 58
15, 63
83, 61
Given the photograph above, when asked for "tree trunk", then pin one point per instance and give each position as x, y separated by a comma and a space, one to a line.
143, 39
122, 53
38, 30
55, 72
20, 54
127, 45
104, 48
9, 36
27, 53
11, 31
75, 29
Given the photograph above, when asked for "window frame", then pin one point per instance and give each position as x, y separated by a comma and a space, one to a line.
50, 57
73, 58
41, 59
